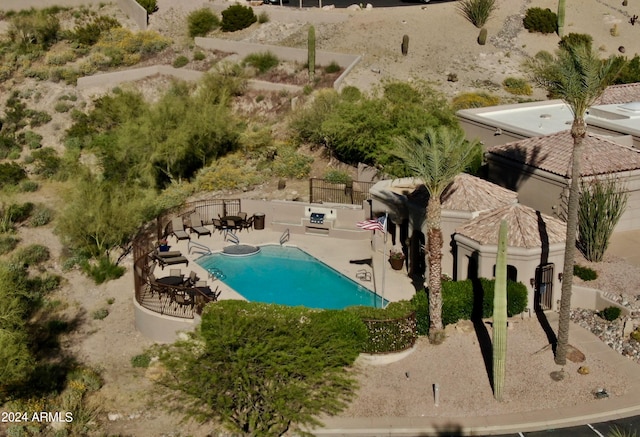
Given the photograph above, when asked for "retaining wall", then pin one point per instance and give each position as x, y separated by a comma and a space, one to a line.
136, 12
590, 298
158, 327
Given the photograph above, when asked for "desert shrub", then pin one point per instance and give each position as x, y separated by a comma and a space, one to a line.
474, 100
30, 139
202, 21
19, 212
333, 67
420, 303
180, 62
59, 57
31, 255
102, 270
576, 39
125, 47
517, 86
289, 163
584, 273
47, 162
337, 177
37, 118
11, 173
285, 353
40, 216
229, 172
540, 20
89, 33
389, 329
263, 17
7, 144
262, 62
62, 107
237, 17
100, 314
601, 204
8, 243
610, 313
142, 360
35, 30
198, 56
477, 11
150, 6
28, 186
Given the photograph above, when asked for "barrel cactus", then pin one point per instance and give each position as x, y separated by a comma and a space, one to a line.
482, 37
405, 45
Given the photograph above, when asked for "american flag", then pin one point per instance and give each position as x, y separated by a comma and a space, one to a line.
379, 224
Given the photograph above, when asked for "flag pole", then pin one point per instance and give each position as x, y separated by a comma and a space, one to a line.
384, 249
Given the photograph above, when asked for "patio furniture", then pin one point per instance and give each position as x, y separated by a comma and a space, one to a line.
170, 261
242, 215
248, 224
172, 281
192, 279
170, 254
218, 225
177, 229
232, 222
197, 226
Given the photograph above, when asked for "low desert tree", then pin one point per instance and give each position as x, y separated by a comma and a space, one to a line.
602, 202
263, 369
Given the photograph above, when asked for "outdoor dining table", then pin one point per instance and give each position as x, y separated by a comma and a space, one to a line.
232, 221
171, 280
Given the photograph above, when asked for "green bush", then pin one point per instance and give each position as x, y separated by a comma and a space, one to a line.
62, 107
202, 21
103, 270
584, 273
610, 313
28, 186
37, 118
332, 68
289, 163
34, 30
40, 216
11, 173
30, 139
420, 303
31, 255
292, 359
89, 33
150, 6
630, 72
477, 11
19, 212
142, 360
100, 314
576, 39
47, 162
180, 62
540, 20
262, 62
198, 56
517, 86
8, 243
337, 177
391, 329
237, 17
263, 17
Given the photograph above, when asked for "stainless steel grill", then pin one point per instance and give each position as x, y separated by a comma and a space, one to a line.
316, 218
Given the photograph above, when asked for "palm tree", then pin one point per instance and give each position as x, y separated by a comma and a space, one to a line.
435, 156
578, 76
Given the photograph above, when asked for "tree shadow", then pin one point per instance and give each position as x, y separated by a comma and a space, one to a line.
537, 296
519, 162
480, 328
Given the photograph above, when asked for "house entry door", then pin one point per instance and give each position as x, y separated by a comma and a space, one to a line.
544, 286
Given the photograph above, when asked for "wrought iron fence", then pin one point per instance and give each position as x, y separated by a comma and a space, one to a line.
354, 193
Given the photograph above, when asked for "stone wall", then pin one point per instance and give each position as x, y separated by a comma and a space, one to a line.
136, 12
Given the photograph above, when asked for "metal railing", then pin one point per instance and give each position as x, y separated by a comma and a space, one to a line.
352, 193
284, 237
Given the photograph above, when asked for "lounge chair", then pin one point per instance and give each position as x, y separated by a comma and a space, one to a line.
169, 261
170, 254
197, 226
177, 229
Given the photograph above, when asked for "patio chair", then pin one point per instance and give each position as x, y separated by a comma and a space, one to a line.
248, 224
242, 215
177, 229
217, 225
192, 279
175, 272
197, 226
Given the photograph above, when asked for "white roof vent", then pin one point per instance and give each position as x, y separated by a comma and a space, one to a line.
633, 106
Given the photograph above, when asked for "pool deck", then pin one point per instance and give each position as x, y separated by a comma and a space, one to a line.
334, 252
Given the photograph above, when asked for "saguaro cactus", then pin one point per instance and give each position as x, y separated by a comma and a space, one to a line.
500, 315
312, 53
405, 45
482, 36
561, 18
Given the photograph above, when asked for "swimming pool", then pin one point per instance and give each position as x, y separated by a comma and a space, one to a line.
288, 276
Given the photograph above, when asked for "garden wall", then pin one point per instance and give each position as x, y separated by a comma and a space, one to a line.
243, 49
158, 327
592, 299
135, 12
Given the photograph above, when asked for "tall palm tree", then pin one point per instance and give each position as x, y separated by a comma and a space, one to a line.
435, 156
578, 76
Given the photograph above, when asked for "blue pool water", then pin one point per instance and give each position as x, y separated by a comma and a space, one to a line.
289, 276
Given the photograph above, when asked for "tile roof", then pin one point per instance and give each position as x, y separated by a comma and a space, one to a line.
523, 224
617, 94
467, 193
553, 154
